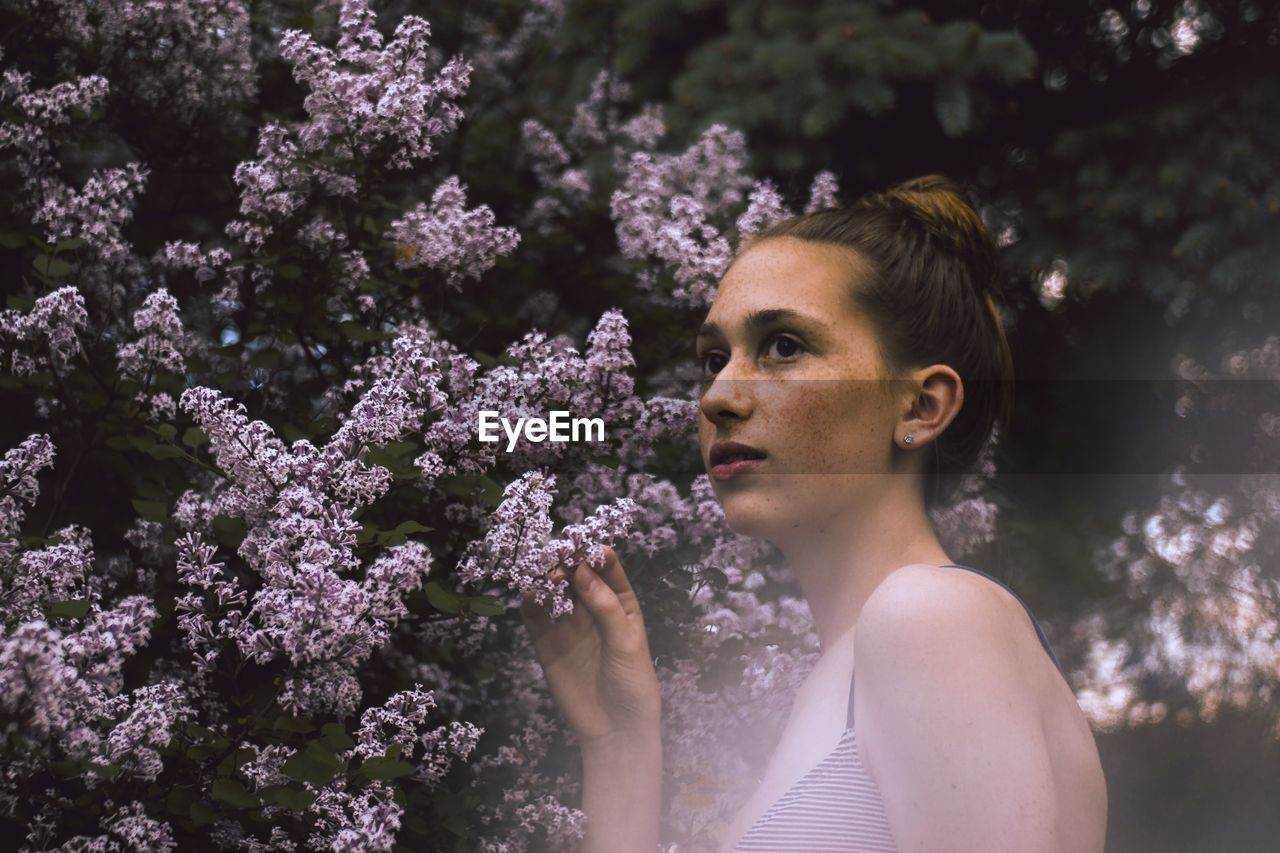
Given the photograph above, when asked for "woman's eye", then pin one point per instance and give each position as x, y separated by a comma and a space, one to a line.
789, 347
785, 346
712, 363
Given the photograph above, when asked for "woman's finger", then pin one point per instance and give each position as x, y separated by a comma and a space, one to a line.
612, 573
602, 603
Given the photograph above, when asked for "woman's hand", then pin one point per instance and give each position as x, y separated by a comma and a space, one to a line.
596, 659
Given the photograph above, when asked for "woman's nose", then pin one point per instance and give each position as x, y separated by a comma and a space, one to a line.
730, 395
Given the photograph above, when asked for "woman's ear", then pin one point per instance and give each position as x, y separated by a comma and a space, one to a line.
938, 394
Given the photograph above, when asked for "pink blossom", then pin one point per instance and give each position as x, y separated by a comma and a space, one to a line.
96, 213
160, 342
518, 551
666, 204
447, 237
764, 207
391, 98
18, 484
47, 336
823, 192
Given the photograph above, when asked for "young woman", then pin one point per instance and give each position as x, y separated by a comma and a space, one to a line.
845, 351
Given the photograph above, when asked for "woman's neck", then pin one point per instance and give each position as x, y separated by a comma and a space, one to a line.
840, 560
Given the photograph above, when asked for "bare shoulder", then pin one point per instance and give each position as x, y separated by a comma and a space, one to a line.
952, 724
942, 636
945, 605
919, 595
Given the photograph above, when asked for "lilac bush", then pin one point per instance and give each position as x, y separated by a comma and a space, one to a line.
291, 624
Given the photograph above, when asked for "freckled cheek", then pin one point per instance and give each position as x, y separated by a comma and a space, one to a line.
825, 426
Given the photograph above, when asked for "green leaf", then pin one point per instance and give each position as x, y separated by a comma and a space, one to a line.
179, 800
166, 431
397, 536
151, 510
485, 605
234, 794
70, 609
203, 814
106, 771
457, 824
67, 245
48, 265
289, 271
412, 527
288, 796
334, 736
609, 461
314, 764
230, 531
367, 533
194, 437
385, 768
442, 599
12, 240
287, 723
156, 450
233, 762
150, 490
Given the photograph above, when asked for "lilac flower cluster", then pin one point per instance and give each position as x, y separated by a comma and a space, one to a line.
446, 236
496, 56
518, 551
545, 374
159, 348
61, 682
42, 113
402, 720
44, 337
300, 505
672, 212
125, 828
391, 98
559, 167
188, 58
666, 204
18, 484
95, 213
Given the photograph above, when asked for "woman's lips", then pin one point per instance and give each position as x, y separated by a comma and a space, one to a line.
729, 470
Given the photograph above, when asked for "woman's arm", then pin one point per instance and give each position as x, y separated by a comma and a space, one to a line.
622, 794
601, 674
951, 726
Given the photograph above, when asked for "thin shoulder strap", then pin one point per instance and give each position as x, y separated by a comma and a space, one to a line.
849, 717
1044, 641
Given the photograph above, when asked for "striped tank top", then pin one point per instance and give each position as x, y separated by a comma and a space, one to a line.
836, 806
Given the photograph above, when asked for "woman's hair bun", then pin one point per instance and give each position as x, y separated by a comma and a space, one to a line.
942, 208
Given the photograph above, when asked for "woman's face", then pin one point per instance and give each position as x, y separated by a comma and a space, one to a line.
790, 370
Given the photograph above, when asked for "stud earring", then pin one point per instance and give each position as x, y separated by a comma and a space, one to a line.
907, 439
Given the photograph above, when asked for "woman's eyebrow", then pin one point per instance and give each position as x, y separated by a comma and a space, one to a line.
757, 320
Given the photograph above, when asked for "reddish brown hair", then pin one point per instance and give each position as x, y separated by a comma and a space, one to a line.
933, 269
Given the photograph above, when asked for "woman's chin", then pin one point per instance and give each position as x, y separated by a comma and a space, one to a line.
751, 515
